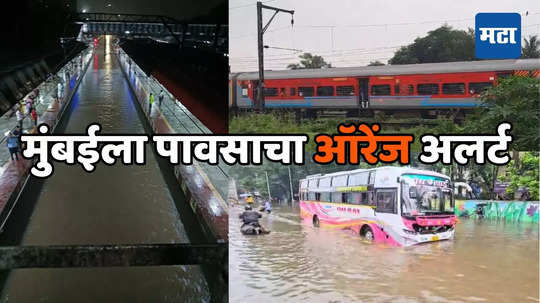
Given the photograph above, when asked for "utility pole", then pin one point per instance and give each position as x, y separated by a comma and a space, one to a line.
290, 186
259, 104
268, 186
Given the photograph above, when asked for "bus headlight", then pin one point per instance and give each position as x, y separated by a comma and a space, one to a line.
409, 232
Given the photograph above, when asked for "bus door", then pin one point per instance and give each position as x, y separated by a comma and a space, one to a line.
363, 93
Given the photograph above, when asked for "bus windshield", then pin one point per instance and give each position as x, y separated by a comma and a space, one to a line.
426, 195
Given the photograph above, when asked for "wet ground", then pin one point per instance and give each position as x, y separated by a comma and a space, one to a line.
180, 119
486, 262
114, 204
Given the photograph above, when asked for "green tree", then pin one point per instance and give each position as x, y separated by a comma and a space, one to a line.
514, 99
375, 63
441, 45
307, 60
531, 48
523, 174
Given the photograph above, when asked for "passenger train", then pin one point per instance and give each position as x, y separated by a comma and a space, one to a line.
428, 86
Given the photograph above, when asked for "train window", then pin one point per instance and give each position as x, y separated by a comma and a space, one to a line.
396, 89
270, 91
293, 91
380, 90
244, 91
479, 87
427, 89
345, 90
503, 75
325, 91
410, 89
306, 91
282, 92
453, 88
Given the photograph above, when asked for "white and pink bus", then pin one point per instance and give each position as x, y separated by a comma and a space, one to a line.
395, 205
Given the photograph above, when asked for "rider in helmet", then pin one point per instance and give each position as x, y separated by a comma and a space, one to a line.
251, 217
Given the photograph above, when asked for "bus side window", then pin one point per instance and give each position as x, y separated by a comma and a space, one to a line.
386, 201
370, 200
312, 196
325, 197
338, 197
359, 198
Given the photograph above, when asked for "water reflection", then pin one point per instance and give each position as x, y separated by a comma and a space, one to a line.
488, 261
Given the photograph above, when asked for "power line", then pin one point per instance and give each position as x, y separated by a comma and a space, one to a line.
251, 4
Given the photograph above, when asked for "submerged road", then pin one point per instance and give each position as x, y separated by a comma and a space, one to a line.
114, 204
488, 261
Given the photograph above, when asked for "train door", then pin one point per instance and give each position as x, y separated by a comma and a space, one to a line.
363, 93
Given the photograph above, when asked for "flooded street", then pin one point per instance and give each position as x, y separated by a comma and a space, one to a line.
118, 204
487, 261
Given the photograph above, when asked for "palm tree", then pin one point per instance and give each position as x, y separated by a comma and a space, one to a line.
530, 48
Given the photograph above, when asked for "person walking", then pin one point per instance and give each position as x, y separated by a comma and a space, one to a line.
13, 146
150, 102
34, 116
160, 97
29, 105
20, 118
268, 206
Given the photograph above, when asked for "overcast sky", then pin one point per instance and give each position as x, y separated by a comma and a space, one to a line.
363, 31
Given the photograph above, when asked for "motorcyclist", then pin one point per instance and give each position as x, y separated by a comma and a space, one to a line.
251, 217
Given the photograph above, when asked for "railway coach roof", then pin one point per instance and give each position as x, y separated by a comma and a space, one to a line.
403, 69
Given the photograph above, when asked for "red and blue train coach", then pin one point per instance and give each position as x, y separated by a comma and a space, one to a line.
429, 86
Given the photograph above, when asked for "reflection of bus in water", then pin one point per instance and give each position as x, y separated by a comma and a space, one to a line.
397, 205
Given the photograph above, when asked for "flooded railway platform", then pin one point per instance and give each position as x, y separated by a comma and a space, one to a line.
488, 261
116, 204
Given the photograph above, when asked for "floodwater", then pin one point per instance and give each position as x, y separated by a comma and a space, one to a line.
114, 204
486, 262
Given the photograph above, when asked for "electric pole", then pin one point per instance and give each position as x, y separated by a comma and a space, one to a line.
259, 104
290, 186
268, 187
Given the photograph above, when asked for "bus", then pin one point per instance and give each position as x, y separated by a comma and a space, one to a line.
399, 206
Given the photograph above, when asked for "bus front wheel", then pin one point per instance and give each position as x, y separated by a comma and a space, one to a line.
367, 233
316, 222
